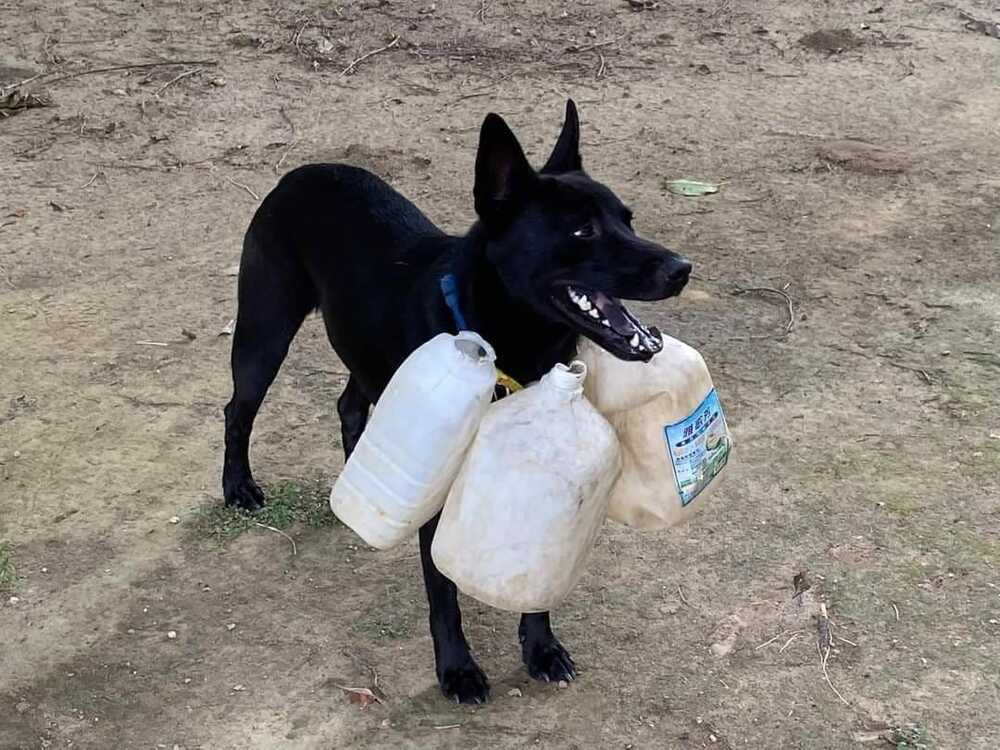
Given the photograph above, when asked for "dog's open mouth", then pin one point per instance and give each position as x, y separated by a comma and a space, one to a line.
609, 323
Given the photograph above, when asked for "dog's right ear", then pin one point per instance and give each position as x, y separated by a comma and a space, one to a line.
503, 175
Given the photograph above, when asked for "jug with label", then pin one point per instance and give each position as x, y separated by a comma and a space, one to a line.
412, 447
675, 441
524, 512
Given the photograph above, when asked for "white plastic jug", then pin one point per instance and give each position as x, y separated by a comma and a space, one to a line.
674, 437
523, 514
418, 433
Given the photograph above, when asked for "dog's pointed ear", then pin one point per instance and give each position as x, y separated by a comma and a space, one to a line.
503, 174
566, 155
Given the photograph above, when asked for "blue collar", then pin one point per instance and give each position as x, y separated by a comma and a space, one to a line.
449, 289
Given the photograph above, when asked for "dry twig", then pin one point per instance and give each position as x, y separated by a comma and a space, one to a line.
175, 79
595, 45
350, 68
295, 550
110, 69
790, 323
769, 641
922, 372
245, 187
788, 643
291, 143
823, 644
680, 593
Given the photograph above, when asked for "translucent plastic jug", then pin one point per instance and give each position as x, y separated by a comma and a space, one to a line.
674, 437
525, 510
413, 445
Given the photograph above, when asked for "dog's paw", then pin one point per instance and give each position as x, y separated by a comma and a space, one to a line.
244, 494
465, 684
548, 661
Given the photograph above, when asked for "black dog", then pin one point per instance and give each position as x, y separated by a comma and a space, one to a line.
547, 261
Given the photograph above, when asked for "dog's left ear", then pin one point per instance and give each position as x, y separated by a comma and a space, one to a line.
566, 155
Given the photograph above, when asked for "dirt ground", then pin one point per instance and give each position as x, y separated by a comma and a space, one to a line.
858, 173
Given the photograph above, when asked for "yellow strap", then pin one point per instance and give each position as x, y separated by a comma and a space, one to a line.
505, 380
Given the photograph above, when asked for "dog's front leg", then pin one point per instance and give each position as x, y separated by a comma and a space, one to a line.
543, 655
460, 677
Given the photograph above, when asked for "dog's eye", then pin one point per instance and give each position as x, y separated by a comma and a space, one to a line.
585, 232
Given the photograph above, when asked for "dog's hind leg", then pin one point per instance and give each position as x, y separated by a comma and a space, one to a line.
275, 296
352, 406
543, 655
459, 676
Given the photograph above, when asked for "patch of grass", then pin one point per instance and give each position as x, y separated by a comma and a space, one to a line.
909, 738
288, 502
8, 573
391, 617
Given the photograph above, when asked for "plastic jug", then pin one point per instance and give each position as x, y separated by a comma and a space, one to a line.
674, 437
523, 514
418, 433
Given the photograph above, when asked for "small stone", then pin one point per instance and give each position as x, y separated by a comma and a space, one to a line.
670, 608
713, 738
45, 570
220, 82
175, 519
14, 600
231, 626
171, 634
119, 92
563, 684
131, 631
187, 680
514, 692
17, 454
239, 688
22, 707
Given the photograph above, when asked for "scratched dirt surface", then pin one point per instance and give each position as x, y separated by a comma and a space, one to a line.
855, 146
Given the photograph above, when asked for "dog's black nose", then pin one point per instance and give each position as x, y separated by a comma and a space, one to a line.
679, 272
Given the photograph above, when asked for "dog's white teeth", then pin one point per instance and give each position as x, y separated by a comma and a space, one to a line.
606, 324
634, 341
583, 303
594, 314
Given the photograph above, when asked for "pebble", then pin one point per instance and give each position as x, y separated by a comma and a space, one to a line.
231, 626
171, 634
17, 454
175, 519
239, 688
514, 692
14, 599
187, 680
563, 684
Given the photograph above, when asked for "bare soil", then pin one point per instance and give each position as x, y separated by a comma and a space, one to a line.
867, 455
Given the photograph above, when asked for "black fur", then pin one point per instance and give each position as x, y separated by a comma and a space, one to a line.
339, 239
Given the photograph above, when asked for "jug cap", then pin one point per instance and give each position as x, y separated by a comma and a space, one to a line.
470, 344
568, 377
